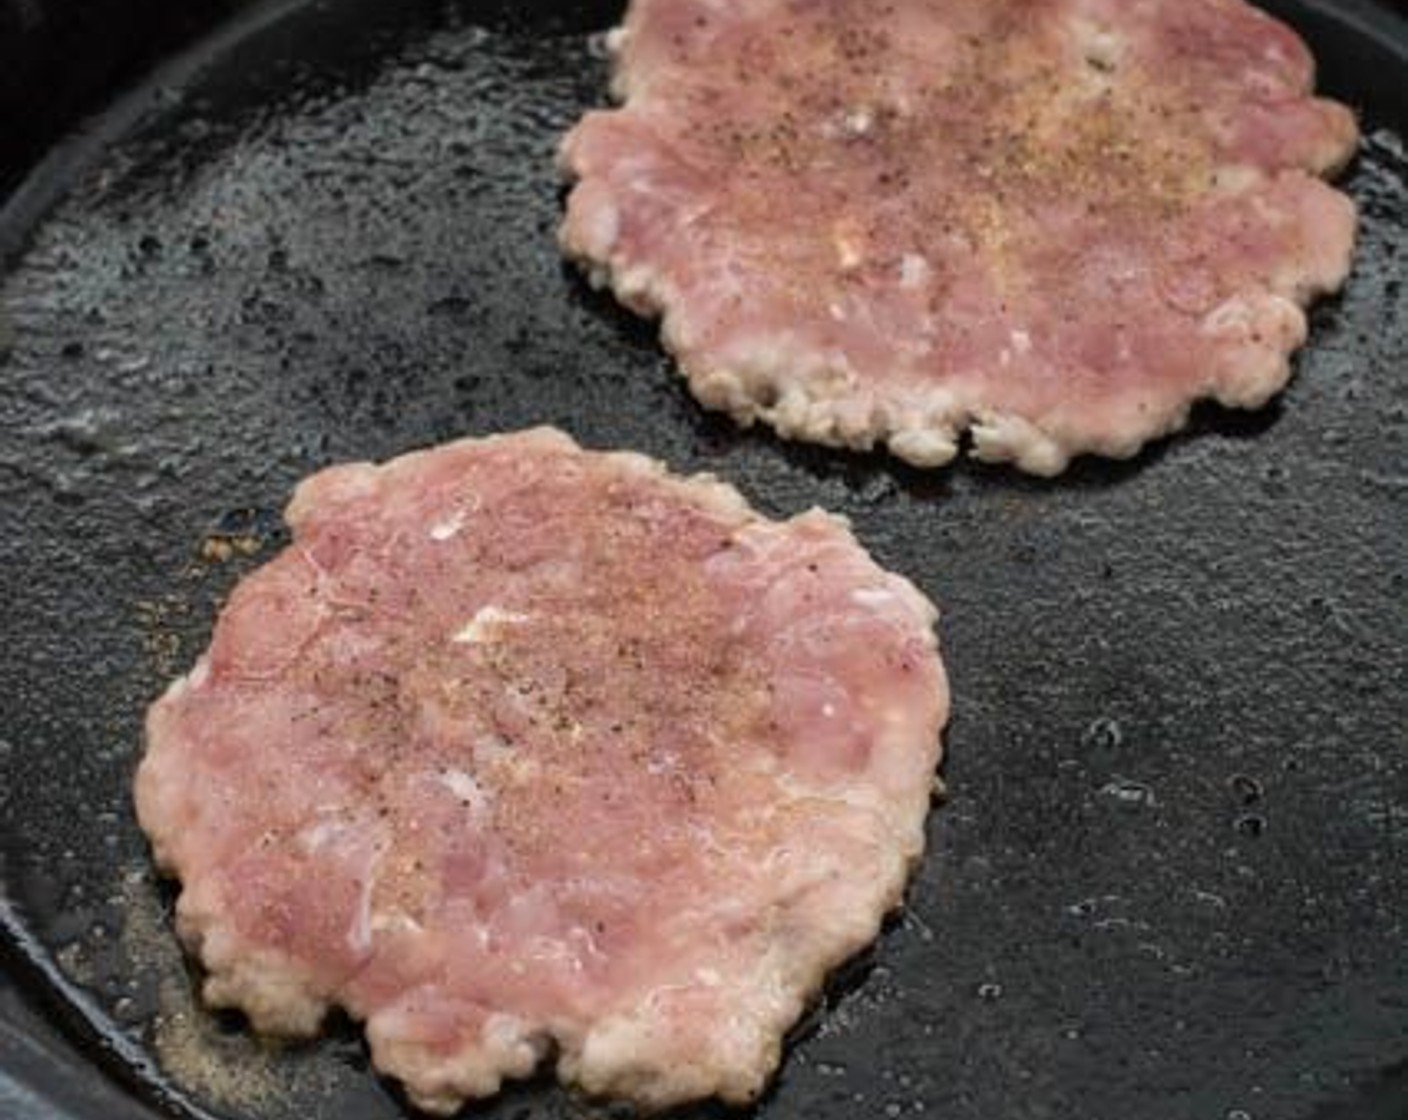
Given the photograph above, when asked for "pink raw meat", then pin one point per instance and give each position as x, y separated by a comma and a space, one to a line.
521, 750
1052, 223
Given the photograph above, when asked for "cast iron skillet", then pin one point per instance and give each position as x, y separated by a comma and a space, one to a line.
1171, 876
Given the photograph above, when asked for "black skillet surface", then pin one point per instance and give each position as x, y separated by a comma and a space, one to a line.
1172, 875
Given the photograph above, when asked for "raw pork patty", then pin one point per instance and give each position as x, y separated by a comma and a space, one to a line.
1054, 223
521, 750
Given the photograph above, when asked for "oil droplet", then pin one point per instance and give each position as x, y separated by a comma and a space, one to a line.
1128, 794
1247, 790
1250, 824
990, 991
1103, 734
877, 490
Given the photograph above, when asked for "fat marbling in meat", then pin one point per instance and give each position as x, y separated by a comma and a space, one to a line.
1053, 224
521, 752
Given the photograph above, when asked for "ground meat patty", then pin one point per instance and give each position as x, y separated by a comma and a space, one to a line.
521, 750
1054, 223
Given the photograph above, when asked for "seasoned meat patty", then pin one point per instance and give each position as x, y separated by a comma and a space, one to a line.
1052, 223
522, 750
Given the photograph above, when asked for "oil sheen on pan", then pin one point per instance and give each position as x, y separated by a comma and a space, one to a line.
522, 753
1054, 225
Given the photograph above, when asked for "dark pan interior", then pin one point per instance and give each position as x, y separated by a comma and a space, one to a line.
1171, 876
